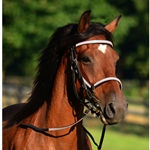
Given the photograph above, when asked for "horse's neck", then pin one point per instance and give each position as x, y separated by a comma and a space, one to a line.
61, 112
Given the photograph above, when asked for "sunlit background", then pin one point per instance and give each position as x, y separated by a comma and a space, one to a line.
27, 27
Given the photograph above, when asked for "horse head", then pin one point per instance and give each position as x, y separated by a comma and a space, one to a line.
96, 66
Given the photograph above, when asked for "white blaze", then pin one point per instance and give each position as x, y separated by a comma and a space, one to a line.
102, 48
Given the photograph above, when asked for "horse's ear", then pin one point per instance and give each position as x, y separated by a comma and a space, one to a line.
112, 25
84, 22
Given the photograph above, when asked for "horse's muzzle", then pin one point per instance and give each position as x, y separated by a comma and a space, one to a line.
115, 108
114, 113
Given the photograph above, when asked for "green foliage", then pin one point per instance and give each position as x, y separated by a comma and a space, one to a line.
27, 26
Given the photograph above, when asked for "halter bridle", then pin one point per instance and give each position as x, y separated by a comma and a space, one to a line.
88, 102
91, 105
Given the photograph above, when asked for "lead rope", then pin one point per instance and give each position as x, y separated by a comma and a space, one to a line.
101, 139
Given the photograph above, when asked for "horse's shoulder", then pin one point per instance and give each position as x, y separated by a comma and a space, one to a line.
12, 137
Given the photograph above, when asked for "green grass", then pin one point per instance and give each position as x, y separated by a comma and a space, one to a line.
119, 141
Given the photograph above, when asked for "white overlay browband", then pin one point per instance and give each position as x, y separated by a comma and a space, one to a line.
95, 42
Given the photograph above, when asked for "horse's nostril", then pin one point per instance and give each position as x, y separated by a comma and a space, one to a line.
111, 105
110, 110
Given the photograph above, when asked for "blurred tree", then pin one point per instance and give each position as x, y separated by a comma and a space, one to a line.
134, 45
27, 26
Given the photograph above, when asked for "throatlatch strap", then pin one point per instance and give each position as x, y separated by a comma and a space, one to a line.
53, 129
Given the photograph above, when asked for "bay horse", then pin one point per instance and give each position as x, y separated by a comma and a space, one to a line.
75, 70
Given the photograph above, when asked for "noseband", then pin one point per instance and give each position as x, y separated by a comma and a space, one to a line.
88, 102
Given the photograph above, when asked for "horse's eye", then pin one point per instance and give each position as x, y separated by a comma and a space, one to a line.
85, 59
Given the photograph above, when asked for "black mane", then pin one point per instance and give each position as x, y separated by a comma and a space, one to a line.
62, 39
